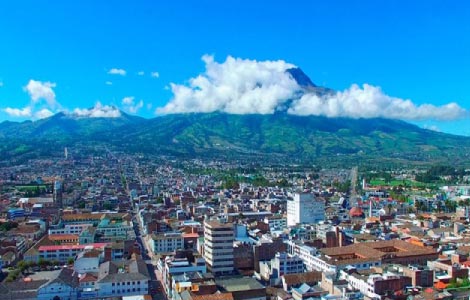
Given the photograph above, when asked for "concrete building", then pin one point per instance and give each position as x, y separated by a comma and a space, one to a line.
62, 253
69, 229
305, 208
280, 265
374, 285
166, 242
63, 286
218, 247
179, 266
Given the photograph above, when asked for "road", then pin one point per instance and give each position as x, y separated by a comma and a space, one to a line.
155, 285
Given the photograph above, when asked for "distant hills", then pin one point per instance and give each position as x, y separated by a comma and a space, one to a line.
278, 137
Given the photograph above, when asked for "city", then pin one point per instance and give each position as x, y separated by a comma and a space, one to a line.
235, 150
117, 225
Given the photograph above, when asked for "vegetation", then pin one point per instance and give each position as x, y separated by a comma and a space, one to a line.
458, 283
7, 226
442, 174
329, 142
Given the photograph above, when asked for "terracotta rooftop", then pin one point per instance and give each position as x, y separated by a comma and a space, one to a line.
299, 278
88, 216
221, 296
59, 237
374, 250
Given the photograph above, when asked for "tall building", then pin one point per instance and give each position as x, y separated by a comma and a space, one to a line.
58, 189
218, 247
305, 208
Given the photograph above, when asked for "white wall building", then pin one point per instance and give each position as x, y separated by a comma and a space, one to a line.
218, 247
166, 242
70, 229
276, 223
305, 208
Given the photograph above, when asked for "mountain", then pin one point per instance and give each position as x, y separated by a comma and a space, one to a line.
65, 126
278, 137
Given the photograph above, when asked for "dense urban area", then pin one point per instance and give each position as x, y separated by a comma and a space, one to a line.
111, 225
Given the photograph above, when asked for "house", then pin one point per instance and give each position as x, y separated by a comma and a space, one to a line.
64, 286
123, 278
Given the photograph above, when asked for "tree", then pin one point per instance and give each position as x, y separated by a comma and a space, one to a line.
70, 261
22, 265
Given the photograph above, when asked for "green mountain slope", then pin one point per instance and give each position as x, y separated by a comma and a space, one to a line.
279, 136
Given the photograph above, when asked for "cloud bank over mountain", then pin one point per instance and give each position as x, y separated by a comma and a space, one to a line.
98, 111
243, 86
237, 86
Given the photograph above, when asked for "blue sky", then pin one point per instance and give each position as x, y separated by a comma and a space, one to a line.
58, 55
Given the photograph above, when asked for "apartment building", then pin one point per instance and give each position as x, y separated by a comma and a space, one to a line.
218, 247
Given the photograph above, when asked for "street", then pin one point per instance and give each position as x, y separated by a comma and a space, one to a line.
155, 284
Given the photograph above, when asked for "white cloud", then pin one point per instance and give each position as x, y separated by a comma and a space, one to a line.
242, 86
116, 71
98, 111
127, 100
155, 74
432, 127
370, 102
141, 73
17, 112
43, 113
108, 83
238, 86
39, 90
130, 106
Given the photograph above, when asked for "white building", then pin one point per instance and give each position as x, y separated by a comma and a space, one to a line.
305, 208
63, 286
63, 253
166, 242
179, 266
276, 223
123, 279
280, 265
70, 229
218, 247
88, 261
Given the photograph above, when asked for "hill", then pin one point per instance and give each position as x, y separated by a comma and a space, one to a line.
277, 137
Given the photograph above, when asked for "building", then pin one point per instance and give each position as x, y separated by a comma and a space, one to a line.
374, 285
115, 228
62, 253
246, 288
363, 256
218, 247
88, 261
280, 265
166, 242
305, 208
180, 266
58, 194
420, 276
63, 286
276, 222
15, 213
124, 278
266, 249
307, 254
69, 229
